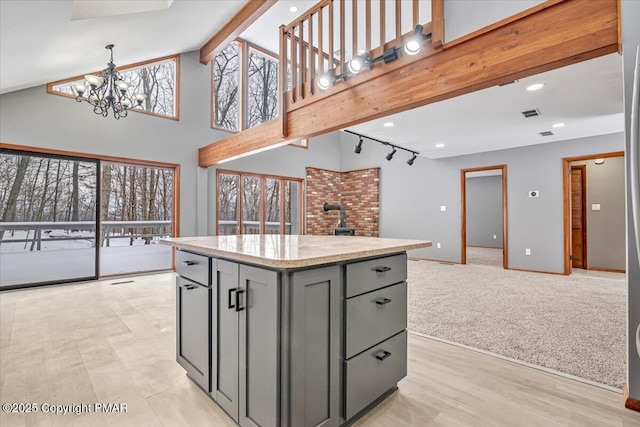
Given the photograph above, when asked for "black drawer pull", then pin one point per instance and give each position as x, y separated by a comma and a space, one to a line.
189, 262
238, 293
232, 290
382, 269
383, 301
189, 287
383, 355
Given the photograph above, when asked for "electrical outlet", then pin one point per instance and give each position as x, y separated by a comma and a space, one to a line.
527, 251
443, 208
495, 237
438, 245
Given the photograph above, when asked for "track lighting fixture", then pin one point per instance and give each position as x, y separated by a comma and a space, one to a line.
327, 79
394, 148
358, 63
412, 46
358, 148
391, 154
414, 43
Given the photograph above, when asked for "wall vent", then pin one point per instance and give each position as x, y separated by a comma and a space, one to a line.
508, 83
531, 113
546, 133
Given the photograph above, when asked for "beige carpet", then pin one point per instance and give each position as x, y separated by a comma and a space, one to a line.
572, 324
484, 256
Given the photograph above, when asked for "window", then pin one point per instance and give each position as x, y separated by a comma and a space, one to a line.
258, 204
158, 79
245, 87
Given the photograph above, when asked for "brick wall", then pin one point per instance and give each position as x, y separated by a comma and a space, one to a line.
358, 191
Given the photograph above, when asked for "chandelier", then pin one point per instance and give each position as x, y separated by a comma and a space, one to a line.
108, 91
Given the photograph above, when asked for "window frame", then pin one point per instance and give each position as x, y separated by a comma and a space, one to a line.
128, 67
263, 177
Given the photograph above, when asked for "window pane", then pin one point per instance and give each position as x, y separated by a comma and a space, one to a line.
251, 205
228, 204
272, 206
292, 205
157, 80
226, 78
262, 89
137, 211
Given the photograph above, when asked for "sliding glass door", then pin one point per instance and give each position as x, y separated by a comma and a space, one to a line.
48, 218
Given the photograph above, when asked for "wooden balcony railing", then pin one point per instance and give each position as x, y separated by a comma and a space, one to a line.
332, 32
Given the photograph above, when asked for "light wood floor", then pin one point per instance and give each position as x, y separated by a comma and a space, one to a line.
97, 342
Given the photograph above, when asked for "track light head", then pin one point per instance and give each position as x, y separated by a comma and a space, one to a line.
412, 159
391, 154
358, 148
358, 62
327, 79
414, 43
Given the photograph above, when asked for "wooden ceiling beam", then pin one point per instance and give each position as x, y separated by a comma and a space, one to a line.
232, 29
565, 33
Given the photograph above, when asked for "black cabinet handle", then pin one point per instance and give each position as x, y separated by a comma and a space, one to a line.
189, 287
238, 293
190, 262
382, 269
383, 355
383, 301
232, 290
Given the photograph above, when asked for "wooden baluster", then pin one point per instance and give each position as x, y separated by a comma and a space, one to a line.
367, 19
342, 37
416, 14
320, 44
303, 60
282, 95
312, 58
383, 23
354, 28
398, 23
294, 64
331, 56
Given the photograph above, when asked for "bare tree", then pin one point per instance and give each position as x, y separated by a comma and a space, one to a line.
10, 208
226, 81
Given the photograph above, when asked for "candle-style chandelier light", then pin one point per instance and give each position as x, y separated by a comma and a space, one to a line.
108, 91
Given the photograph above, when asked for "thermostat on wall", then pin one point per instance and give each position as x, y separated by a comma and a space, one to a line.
534, 193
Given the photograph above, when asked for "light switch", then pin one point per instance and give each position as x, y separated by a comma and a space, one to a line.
443, 208
595, 207
438, 245
495, 237
527, 251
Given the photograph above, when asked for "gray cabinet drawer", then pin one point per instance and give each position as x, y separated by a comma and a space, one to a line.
374, 317
194, 267
367, 377
366, 276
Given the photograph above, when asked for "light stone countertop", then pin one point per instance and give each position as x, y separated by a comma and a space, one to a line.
293, 251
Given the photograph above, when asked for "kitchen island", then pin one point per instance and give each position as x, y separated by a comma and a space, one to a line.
293, 330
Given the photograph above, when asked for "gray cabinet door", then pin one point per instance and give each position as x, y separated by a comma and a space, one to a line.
192, 346
259, 342
315, 338
225, 388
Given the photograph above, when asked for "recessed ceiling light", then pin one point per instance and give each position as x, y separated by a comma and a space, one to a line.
557, 125
293, 9
440, 145
535, 86
388, 124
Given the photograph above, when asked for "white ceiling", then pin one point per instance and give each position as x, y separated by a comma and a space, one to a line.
39, 42
587, 97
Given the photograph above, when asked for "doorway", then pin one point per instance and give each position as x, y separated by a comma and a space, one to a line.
579, 216
484, 215
594, 204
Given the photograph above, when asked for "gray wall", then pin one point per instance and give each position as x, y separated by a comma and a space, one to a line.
605, 228
324, 152
630, 10
462, 17
411, 196
33, 117
484, 211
